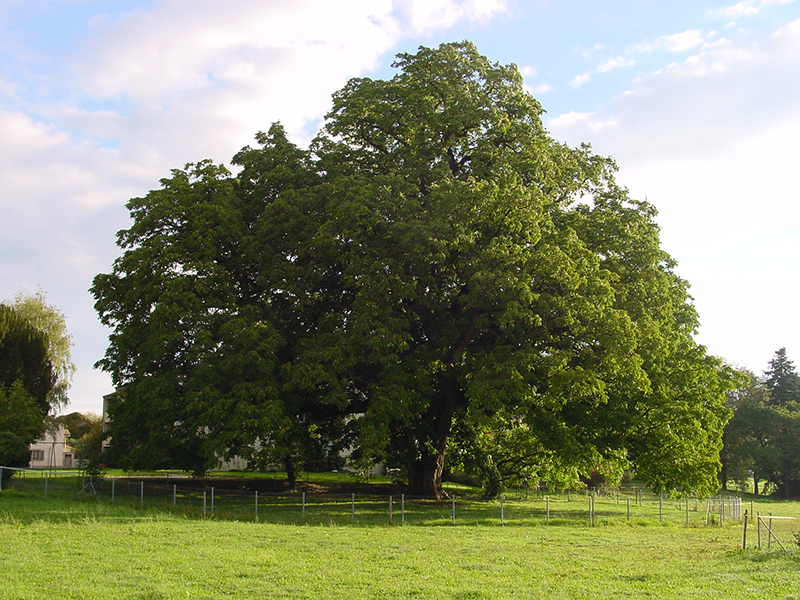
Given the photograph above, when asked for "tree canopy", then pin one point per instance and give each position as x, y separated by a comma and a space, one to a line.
434, 258
762, 439
52, 323
26, 380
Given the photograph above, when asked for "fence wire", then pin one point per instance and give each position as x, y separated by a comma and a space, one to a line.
631, 504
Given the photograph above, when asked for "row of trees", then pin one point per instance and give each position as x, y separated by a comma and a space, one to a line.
35, 373
762, 439
434, 281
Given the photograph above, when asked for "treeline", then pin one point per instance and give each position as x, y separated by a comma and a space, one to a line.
35, 373
762, 439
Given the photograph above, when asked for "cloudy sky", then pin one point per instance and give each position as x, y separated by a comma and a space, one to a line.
698, 101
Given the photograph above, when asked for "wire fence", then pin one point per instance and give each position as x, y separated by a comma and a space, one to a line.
194, 498
771, 533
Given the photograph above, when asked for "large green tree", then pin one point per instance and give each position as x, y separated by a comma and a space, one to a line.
434, 257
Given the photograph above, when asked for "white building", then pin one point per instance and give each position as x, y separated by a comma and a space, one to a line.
52, 451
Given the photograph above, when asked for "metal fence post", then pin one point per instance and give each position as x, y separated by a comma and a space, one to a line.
212, 501
403, 508
304, 505
256, 505
502, 509
628, 510
390, 510
454, 509
353, 509
141, 494
547, 504
174, 495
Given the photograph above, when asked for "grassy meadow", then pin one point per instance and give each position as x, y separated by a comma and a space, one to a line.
83, 548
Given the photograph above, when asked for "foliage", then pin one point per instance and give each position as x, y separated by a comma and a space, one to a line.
20, 424
762, 440
782, 380
24, 357
434, 258
87, 439
52, 323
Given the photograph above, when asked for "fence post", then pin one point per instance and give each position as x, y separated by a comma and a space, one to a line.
708, 509
758, 521
256, 505
628, 510
1, 479
661, 507
304, 506
113, 490
687, 511
547, 503
403, 508
390, 510
744, 532
174, 495
353, 510
204, 503
769, 533
454, 509
141, 494
502, 509
212, 501
46, 479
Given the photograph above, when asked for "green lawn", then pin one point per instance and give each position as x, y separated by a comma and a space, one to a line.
83, 549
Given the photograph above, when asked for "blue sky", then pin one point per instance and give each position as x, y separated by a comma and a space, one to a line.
699, 103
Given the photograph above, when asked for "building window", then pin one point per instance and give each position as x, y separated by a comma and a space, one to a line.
37, 455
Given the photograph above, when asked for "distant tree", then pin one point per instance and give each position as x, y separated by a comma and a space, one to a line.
78, 423
782, 379
749, 439
762, 440
24, 358
88, 443
51, 321
21, 423
26, 380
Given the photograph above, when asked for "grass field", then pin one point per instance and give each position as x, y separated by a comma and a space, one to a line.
84, 549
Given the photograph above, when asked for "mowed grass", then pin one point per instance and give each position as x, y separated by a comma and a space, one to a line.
51, 548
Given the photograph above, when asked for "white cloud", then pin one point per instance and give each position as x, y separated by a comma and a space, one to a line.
746, 8
585, 122
428, 15
615, 63
540, 89
680, 42
579, 80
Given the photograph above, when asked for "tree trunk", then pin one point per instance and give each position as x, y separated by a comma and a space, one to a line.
425, 473
291, 473
425, 476
755, 484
